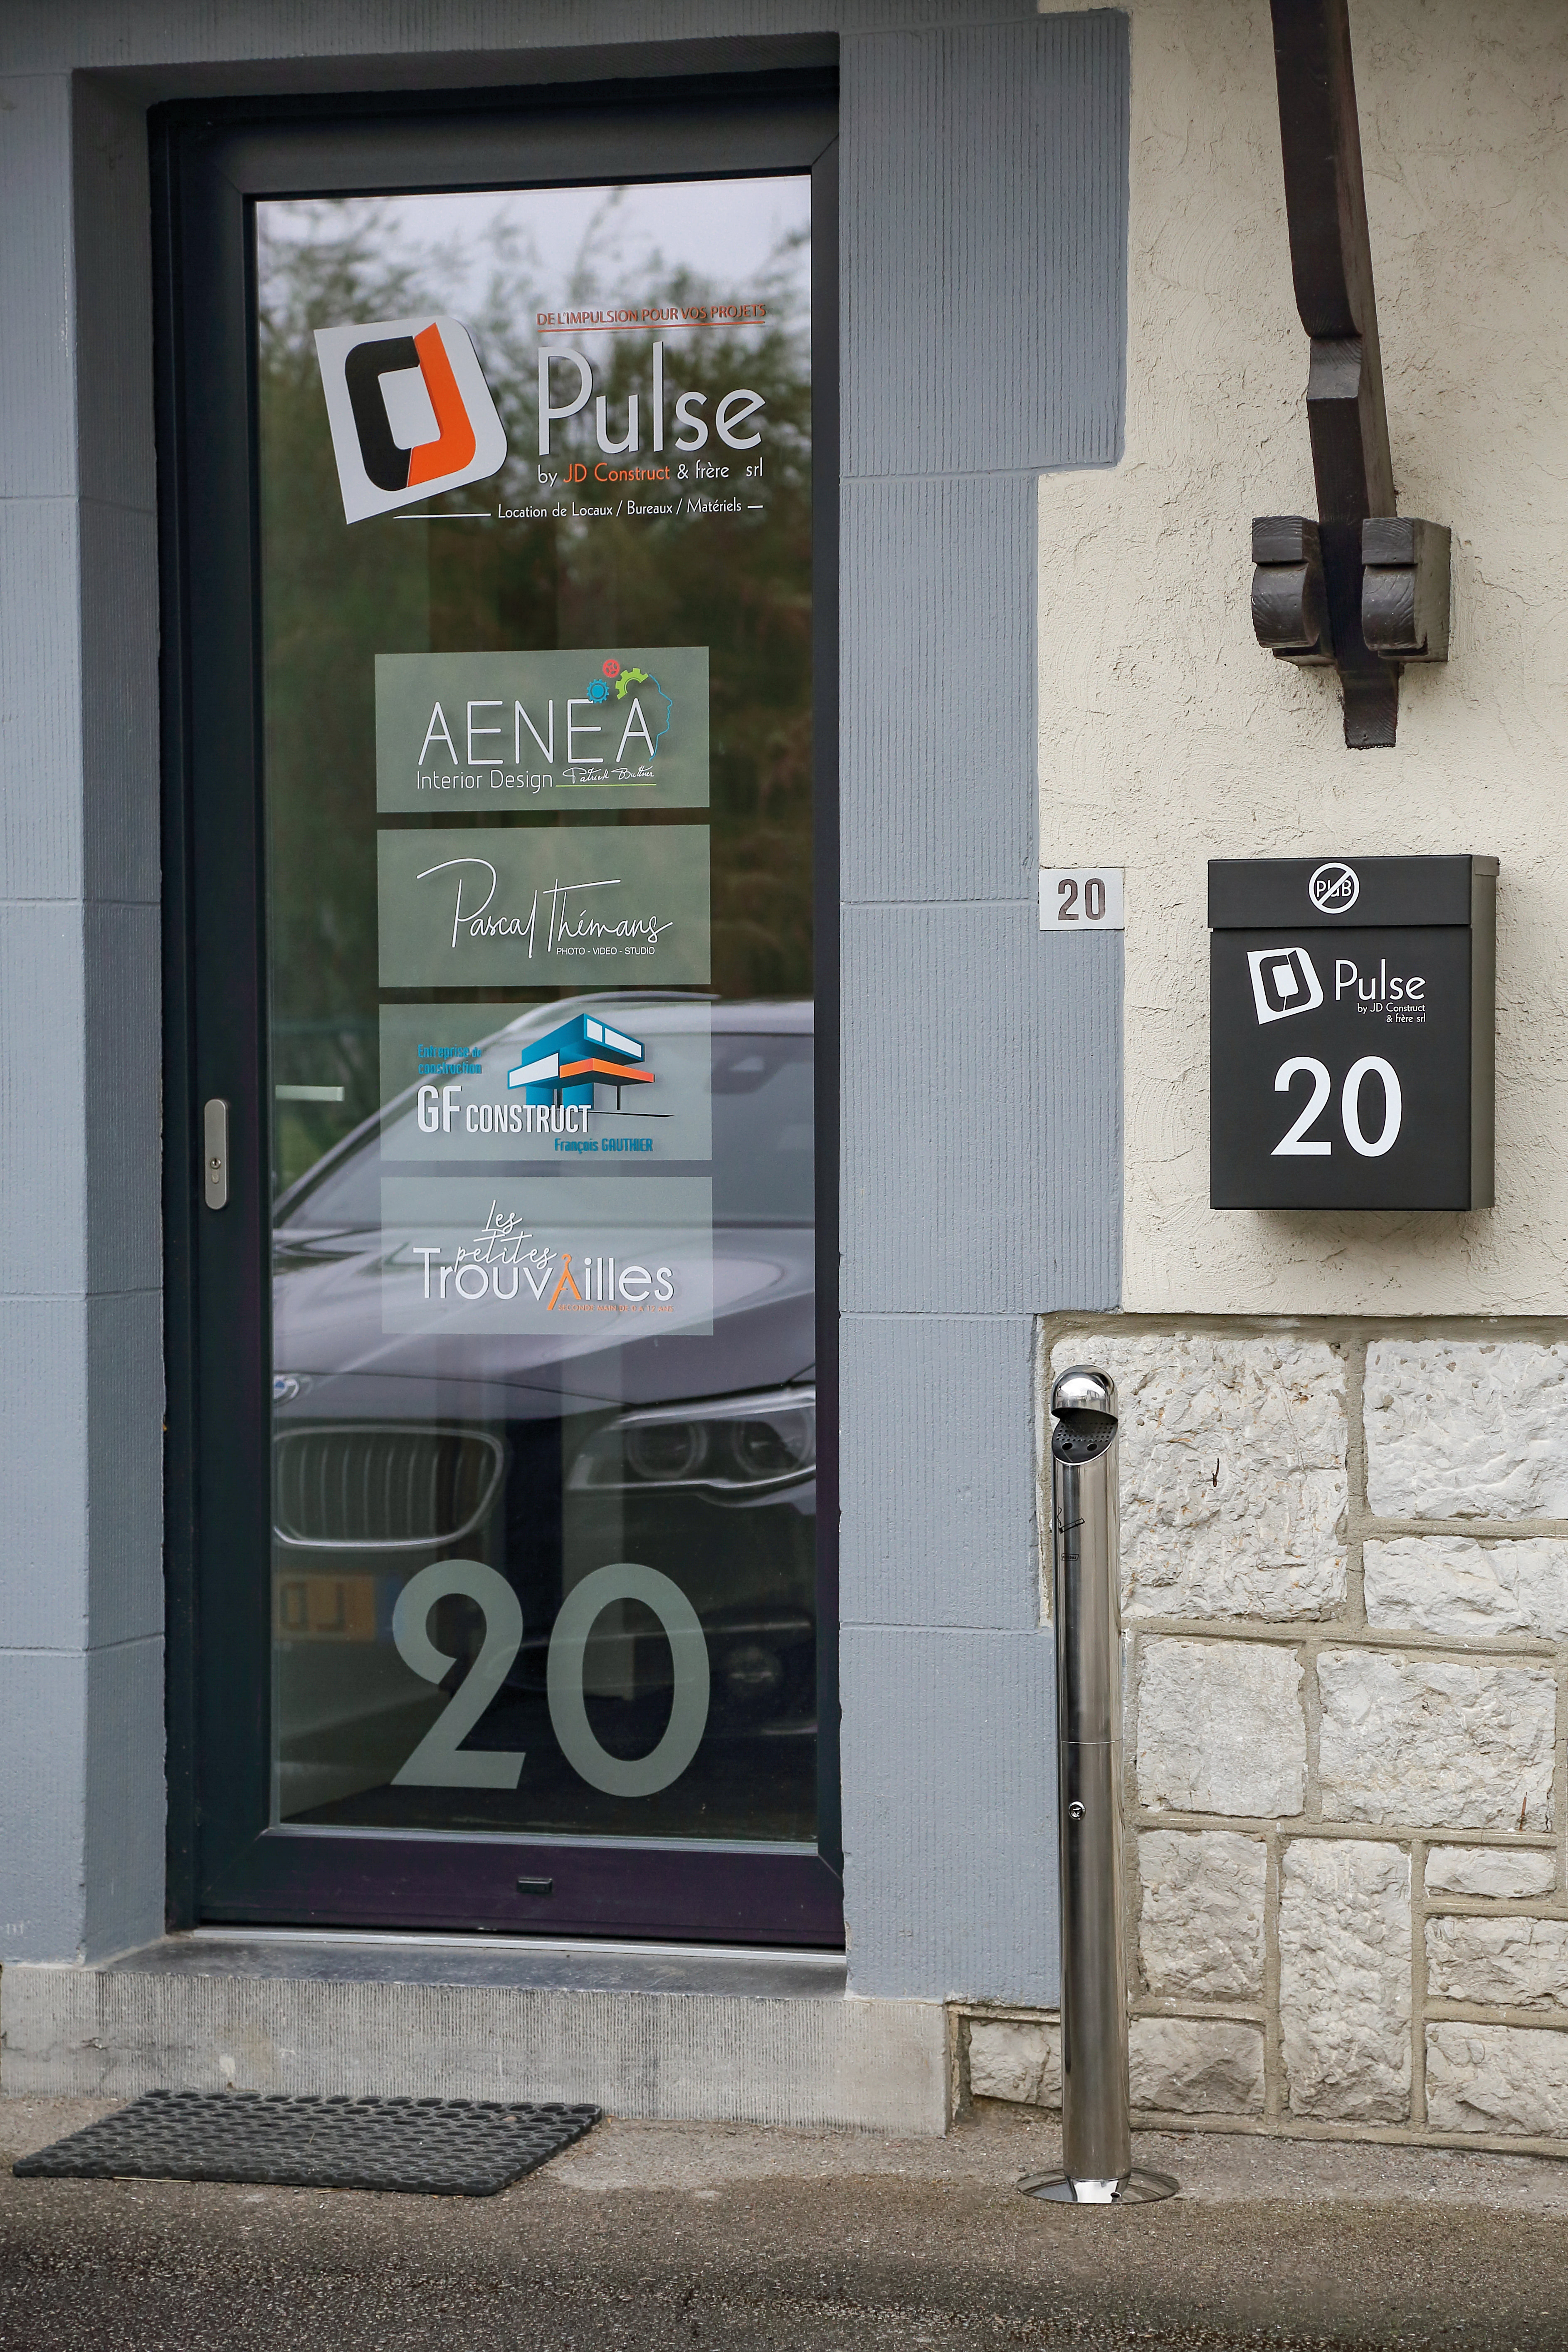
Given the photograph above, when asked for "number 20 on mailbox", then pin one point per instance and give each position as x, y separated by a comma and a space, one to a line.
1351, 1021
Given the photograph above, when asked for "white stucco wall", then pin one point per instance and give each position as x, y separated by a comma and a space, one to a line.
1167, 737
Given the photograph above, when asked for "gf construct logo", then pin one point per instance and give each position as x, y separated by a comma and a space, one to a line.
410, 411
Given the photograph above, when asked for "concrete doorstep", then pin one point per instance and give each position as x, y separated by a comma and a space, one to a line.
650, 2031
732, 2237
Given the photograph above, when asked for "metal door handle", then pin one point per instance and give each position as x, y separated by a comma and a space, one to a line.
214, 1153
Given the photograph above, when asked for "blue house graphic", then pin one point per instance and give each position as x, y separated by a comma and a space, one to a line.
583, 1054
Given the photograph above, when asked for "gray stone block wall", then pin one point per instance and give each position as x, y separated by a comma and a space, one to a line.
1345, 1596
81, 1342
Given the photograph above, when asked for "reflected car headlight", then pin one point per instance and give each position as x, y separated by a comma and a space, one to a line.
728, 1445
667, 1453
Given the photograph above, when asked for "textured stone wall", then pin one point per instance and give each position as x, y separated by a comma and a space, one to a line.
1345, 1597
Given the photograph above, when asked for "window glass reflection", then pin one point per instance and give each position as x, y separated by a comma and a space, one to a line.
536, 574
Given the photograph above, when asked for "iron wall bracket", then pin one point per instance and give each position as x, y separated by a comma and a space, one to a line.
1363, 588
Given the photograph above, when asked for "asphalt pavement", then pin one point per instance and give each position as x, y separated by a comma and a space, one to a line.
711, 2237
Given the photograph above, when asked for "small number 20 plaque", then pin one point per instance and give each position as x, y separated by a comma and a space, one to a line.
1082, 898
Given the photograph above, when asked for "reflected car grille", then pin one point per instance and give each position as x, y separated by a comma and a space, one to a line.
369, 1487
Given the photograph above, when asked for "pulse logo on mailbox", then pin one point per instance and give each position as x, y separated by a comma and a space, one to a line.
1383, 1097
1284, 980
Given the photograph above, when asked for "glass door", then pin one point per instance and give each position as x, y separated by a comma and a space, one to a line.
534, 1637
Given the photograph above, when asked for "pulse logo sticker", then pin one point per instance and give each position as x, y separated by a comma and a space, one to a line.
1283, 982
410, 411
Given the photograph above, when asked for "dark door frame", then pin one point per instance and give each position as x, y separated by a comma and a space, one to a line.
224, 1862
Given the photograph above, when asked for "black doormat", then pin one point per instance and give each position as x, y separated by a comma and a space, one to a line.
437, 2148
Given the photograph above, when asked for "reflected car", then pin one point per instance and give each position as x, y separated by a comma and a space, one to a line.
544, 1456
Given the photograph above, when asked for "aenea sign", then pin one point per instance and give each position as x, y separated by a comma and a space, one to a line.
1351, 1018
410, 411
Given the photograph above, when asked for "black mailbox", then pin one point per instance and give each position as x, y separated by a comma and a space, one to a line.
1350, 1032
